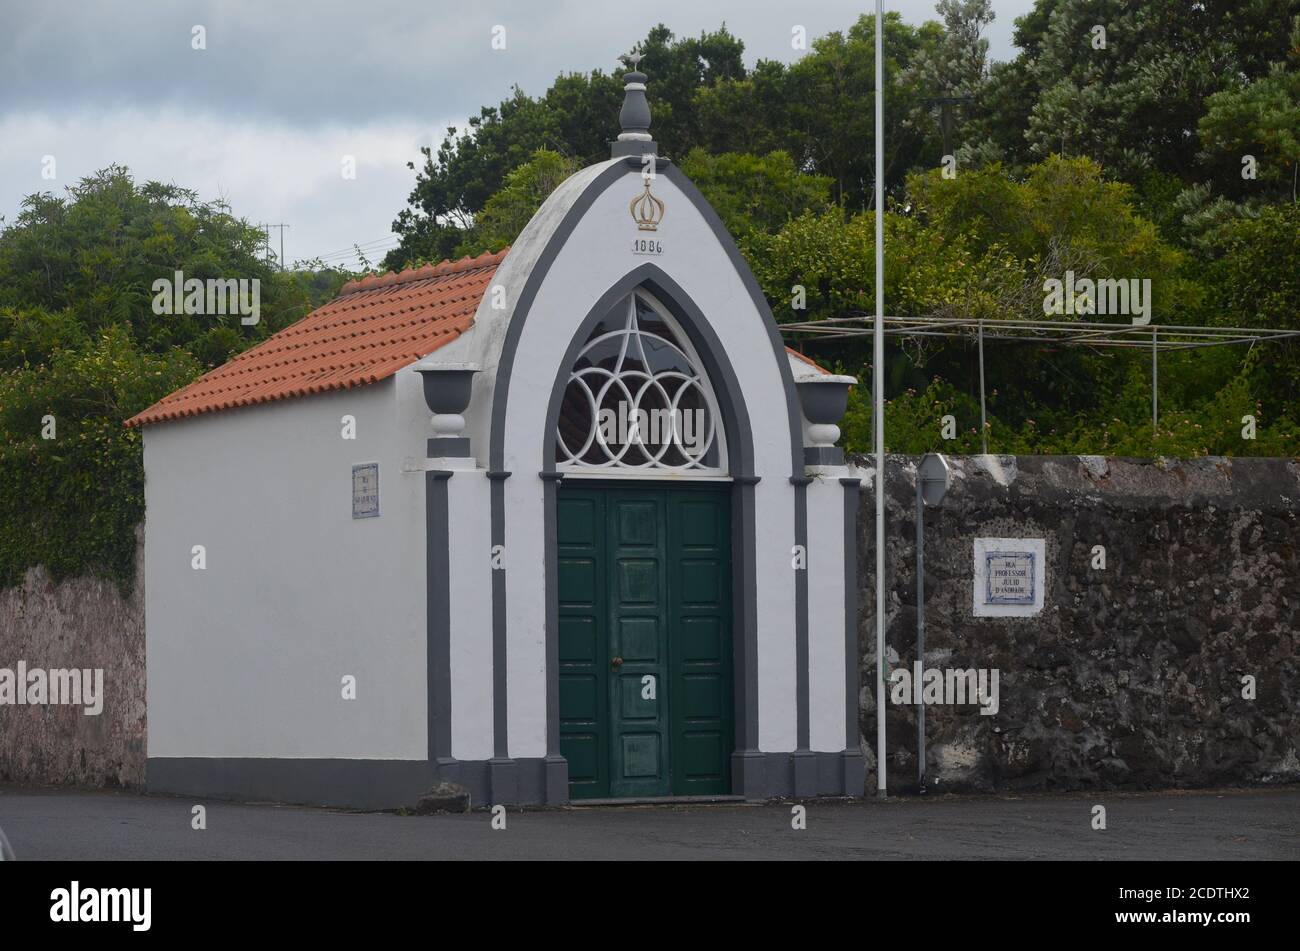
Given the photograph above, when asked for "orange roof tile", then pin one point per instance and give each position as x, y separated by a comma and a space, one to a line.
808, 360
375, 326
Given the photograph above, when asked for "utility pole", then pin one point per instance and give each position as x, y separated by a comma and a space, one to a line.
878, 402
281, 226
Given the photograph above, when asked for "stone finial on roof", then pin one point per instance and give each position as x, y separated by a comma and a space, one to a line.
634, 118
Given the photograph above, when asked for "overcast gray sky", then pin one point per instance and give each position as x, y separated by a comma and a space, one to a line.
286, 88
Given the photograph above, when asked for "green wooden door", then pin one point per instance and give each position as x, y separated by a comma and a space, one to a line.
644, 592
699, 622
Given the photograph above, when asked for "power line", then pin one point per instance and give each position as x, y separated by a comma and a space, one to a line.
357, 251
353, 252
351, 248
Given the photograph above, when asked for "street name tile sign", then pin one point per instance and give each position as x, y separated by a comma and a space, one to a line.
1009, 577
365, 490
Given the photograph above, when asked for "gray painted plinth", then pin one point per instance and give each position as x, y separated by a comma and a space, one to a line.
797, 774
394, 784
350, 783
355, 783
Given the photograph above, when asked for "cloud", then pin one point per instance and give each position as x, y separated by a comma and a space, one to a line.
284, 89
267, 172
308, 61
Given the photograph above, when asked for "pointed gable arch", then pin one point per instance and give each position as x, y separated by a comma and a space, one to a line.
553, 229
736, 438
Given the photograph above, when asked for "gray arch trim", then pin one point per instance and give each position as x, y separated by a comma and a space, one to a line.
541, 267
726, 386
676, 176
746, 779
740, 461
749, 775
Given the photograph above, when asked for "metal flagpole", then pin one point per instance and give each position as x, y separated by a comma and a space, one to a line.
878, 398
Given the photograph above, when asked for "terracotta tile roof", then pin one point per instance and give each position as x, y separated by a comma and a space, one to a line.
376, 326
808, 360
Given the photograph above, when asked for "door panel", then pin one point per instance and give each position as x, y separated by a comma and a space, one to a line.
584, 737
638, 537
699, 540
644, 592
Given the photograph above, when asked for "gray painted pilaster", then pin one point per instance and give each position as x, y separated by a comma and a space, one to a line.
438, 615
748, 771
557, 767
502, 779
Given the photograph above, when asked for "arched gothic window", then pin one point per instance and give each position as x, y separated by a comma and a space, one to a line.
638, 399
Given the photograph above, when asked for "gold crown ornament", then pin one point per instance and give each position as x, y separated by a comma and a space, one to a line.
647, 210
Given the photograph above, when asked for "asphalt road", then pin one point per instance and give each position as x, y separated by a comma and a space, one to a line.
1225, 824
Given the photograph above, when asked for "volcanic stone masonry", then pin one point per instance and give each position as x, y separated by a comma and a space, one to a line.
1131, 676
82, 623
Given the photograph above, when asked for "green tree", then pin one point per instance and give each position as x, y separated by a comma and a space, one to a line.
1063, 215
576, 118
753, 193
1255, 282
71, 502
827, 263
1260, 119
81, 351
821, 108
505, 214
1135, 105
92, 257
956, 65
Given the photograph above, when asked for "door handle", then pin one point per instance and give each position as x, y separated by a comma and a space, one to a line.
616, 663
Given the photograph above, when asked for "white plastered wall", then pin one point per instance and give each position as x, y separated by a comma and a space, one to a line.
246, 657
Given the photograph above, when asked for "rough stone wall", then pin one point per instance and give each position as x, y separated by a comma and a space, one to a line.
1131, 676
82, 623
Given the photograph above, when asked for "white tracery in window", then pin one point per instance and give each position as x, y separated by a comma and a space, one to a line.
637, 399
